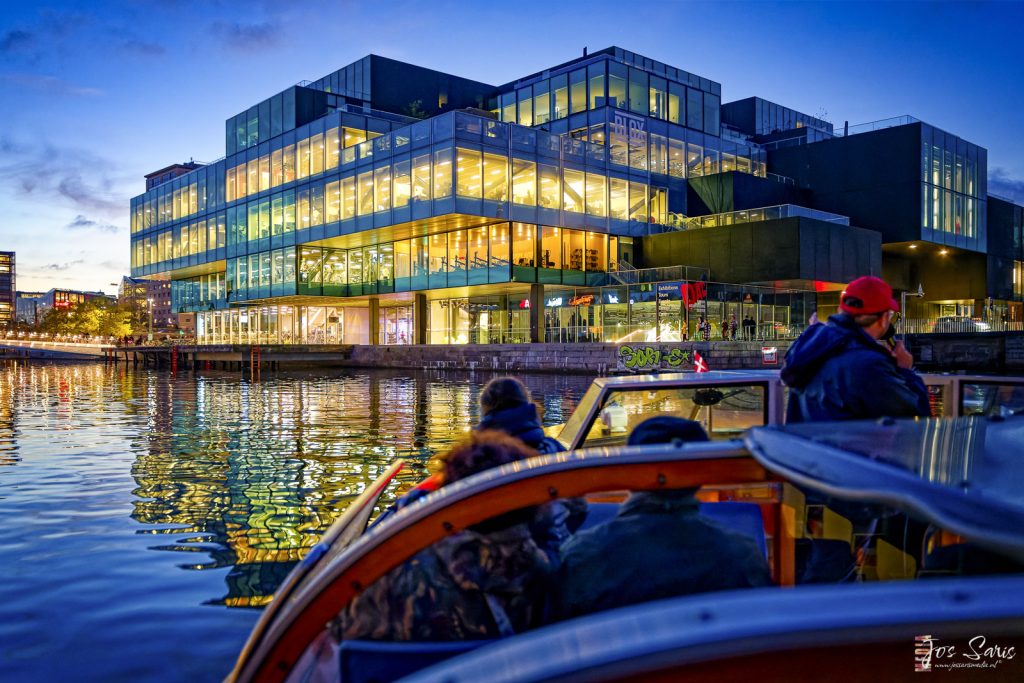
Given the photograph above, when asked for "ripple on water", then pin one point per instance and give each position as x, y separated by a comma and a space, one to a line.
138, 506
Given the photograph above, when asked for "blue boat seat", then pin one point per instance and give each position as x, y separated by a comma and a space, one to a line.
371, 661
743, 518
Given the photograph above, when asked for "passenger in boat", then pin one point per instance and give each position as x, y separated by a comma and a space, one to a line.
657, 546
484, 582
840, 371
505, 404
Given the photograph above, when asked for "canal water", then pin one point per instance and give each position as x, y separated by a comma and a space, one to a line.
145, 518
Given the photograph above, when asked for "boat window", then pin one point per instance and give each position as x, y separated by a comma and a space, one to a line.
1002, 398
724, 411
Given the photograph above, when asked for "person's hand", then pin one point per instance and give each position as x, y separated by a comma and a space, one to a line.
813, 320
903, 357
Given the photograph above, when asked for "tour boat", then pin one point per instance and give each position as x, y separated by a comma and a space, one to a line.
957, 482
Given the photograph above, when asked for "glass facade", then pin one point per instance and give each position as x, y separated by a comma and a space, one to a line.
953, 190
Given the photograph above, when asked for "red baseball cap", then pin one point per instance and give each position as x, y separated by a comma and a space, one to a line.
868, 295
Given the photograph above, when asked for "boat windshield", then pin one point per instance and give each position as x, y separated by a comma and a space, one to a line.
725, 412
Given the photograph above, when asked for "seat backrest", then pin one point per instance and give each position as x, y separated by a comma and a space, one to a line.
743, 518
370, 661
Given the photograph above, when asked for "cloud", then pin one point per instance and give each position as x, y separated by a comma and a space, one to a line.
62, 266
83, 223
88, 182
247, 37
15, 40
50, 84
1000, 183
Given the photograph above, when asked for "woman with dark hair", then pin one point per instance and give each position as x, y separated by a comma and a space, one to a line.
505, 404
484, 582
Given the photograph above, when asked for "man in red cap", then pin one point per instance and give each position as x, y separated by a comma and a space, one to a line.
840, 370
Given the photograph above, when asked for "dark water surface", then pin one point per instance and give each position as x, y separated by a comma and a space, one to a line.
144, 516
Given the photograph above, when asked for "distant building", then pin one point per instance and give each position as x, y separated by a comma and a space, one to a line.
63, 298
145, 294
25, 307
7, 288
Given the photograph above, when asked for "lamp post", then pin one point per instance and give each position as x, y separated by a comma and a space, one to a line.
903, 307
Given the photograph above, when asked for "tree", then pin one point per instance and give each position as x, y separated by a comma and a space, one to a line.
95, 317
415, 110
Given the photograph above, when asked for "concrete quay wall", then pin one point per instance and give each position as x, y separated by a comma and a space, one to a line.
589, 359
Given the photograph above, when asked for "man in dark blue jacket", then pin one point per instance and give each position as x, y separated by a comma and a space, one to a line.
840, 371
657, 546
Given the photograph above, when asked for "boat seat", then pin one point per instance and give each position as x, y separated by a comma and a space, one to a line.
743, 518
371, 661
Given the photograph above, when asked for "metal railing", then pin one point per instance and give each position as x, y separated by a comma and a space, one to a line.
766, 213
957, 325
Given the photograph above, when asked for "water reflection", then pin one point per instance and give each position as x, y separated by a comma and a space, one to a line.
246, 476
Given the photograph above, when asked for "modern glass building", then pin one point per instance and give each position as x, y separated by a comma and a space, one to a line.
8, 287
386, 203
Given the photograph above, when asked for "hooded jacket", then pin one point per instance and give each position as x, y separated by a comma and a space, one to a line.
837, 371
521, 421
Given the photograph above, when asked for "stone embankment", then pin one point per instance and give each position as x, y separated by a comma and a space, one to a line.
573, 358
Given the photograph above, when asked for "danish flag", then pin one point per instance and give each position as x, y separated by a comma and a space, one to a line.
699, 364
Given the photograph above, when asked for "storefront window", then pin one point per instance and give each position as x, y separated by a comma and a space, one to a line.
438, 254
551, 248
524, 245
572, 248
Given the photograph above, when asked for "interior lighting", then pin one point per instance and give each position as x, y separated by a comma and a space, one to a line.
913, 246
943, 252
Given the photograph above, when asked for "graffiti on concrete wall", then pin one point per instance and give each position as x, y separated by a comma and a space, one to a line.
645, 357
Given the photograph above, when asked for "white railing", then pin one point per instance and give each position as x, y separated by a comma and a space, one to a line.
957, 324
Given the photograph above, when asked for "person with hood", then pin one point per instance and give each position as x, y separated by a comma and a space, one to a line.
657, 546
840, 371
505, 404
484, 582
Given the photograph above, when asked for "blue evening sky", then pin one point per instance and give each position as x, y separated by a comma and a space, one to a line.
95, 94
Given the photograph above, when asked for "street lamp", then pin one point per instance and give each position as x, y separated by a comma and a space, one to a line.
903, 307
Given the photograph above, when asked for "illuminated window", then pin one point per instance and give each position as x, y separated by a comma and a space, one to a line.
638, 202
550, 194
402, 185
421, 178
364, 188
382, 188
467, 182
495, 177
317, 151
348, 197
550, 247
288, 163
524, 182
596, 189
302, 158
442, 174
333, 201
